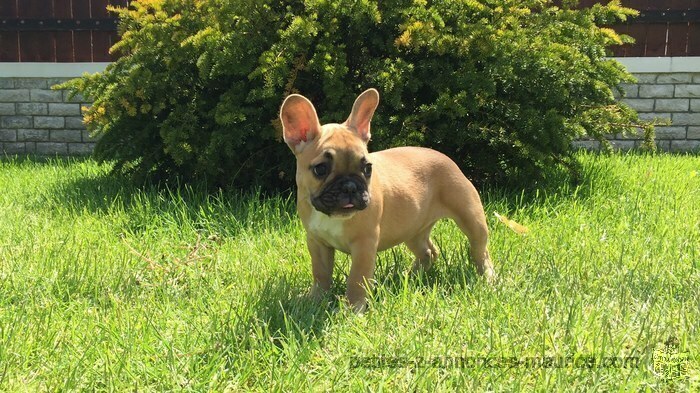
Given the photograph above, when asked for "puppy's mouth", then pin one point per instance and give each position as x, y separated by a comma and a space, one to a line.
344, 196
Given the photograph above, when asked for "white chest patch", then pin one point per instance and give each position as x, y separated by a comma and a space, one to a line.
330, 229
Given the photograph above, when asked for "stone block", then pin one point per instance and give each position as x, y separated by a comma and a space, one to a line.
15, 122
41, 95
686, 119
640, 104
7, 108
685, 146
30, 83
81, 148
672, 105
695, 105
673, 132
623, 144
636, 133
66, 136
14, 95
56, 81
628, 91
75, 122
32, 108
14, 147
63, 109
663, 145
32, 135
49, 122
687, 91
8, 135
676, 77
7, 83
656, 91
586, 145
645, 78
49, 148
693, 132
76, 98
655, 116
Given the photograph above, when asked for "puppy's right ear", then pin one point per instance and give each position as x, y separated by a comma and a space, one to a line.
300, 123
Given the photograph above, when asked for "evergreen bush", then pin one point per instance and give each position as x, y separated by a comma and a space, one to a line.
501, 86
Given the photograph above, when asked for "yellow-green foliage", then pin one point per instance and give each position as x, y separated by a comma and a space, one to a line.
502, 86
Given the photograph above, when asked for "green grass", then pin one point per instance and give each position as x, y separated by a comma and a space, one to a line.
104, 286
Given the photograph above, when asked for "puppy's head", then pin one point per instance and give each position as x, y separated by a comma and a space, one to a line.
333, 167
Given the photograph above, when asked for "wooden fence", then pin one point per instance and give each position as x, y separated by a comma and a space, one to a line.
663, 28
82, 30
57, 30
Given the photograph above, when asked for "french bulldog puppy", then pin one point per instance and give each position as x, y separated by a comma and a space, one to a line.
359, 202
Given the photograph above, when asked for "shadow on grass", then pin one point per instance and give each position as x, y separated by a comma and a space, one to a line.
559, 187
225, 213
279, 313
452, 271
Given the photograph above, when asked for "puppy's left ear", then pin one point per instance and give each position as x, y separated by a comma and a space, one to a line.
362, 112
300, 123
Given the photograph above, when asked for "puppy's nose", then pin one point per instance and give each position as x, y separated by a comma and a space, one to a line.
350, 187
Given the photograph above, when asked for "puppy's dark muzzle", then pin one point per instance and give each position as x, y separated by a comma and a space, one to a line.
343, 195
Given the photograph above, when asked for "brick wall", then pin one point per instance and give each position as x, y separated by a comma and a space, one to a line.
37, 120
672, 97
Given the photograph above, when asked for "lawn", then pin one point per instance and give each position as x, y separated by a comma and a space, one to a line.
105, 286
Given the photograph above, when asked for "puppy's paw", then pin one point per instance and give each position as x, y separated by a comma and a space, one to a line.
358, 304
489, 275
359, 307
317, 293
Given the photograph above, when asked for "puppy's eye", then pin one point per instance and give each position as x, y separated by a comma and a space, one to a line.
320, 170
367, 170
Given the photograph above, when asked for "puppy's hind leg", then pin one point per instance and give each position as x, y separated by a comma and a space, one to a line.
423, 248
465, 208
473, 225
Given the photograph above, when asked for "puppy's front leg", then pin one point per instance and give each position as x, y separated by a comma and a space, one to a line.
322, 261
364, 254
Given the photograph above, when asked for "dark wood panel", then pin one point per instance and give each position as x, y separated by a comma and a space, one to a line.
81, 9
62, 9
64, 46
681, 4
119, 3
100, 46
36, 46
649, 5
656, 39
8, 8
636, 4
35, 8
99, 9
677, 39
82, 46
9, 46
694, 39
639, 33
655, 5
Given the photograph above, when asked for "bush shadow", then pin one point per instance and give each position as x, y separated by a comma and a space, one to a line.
225, 213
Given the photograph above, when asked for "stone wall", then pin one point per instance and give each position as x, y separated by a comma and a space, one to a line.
37, 120
672, 97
